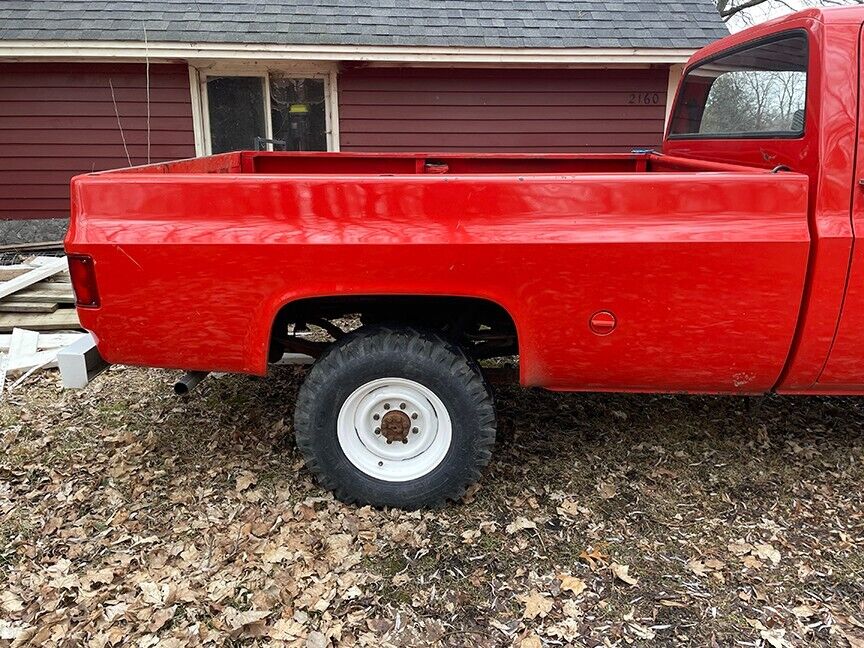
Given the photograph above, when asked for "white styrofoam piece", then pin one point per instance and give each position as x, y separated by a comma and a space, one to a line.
80, 362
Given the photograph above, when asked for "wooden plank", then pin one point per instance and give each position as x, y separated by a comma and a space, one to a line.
61, 319
20, 247
27, 307
57, 293
46, 340
30, 278
8, 272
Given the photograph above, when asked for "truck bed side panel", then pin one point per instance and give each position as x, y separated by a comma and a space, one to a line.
704, 271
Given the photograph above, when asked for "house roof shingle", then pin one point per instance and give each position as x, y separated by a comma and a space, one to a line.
432, 23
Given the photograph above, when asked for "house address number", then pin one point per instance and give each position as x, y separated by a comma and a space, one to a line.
644, 98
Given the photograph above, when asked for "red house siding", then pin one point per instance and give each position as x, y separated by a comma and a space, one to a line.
383, 109
59, 119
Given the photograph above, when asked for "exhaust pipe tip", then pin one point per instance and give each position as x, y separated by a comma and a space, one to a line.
189, 381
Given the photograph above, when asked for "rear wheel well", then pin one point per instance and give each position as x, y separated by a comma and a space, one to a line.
482, 327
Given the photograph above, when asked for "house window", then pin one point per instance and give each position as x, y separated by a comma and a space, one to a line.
297, 113
272, 111
236, 107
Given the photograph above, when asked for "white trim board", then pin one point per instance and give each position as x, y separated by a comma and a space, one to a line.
675, 72
156, 51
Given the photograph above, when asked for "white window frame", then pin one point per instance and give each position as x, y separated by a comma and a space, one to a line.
199, 73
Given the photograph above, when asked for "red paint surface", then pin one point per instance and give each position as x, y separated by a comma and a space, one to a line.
722, 278
411, 109
58, 120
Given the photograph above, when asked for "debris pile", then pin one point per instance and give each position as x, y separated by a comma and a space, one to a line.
37, 295
36, 301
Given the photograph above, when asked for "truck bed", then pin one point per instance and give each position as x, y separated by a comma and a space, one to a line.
366, 164
702, 264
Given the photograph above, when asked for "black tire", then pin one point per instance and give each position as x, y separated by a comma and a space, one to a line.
372, 353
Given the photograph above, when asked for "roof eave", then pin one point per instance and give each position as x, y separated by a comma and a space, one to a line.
87, 50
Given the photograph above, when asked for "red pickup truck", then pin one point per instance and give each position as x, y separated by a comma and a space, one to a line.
727, 263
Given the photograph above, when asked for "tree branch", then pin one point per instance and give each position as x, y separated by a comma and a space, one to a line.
727, 12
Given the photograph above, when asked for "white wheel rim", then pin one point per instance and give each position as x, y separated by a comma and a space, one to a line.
426, 440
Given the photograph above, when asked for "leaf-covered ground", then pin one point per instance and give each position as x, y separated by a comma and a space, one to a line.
128, 516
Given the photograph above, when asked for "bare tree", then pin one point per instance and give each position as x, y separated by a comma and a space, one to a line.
744, 9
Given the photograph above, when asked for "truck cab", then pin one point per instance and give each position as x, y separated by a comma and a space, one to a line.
785, 95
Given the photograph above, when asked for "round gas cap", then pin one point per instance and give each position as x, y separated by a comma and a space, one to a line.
602, 322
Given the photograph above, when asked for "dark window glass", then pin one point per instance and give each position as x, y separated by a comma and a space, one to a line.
755, 92
297, 113
236, 106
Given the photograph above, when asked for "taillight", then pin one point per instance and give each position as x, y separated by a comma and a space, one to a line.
83, 281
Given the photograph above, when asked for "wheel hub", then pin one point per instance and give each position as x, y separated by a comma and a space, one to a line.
394, 429
395, 426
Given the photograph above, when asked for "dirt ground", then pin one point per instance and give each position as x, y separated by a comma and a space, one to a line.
128, 516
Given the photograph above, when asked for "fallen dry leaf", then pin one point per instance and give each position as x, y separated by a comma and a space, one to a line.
520, 524
803, 611
607, 490
569, 507
468, 537
775, 637
245, 481
739, 548
536, 605
593, 557
622, 573
766, 552
531, 641
153, 593
317, 639
698, 567
286, 630
572, 584
10, 602
237, 619
161, 617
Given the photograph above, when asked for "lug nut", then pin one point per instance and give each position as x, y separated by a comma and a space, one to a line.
401, 405
389, 442
376, 416
414, 416
377, 430
414, 430
404, 440
386, 405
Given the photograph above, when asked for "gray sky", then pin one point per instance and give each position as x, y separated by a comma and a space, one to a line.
775, 8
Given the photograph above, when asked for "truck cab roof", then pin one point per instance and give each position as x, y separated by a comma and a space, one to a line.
830, 15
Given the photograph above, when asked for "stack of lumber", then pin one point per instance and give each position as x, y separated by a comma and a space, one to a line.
37, 295
24, 352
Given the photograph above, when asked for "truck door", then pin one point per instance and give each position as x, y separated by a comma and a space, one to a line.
844, 369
